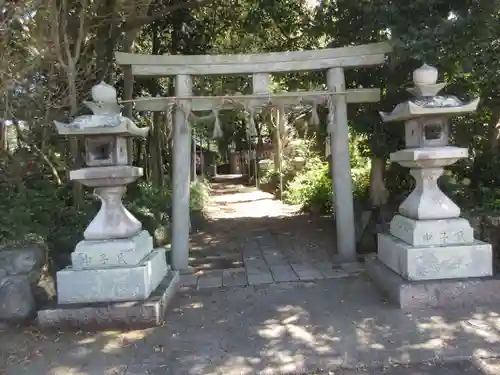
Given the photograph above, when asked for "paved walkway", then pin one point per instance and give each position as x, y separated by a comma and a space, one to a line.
252, 238
281, 328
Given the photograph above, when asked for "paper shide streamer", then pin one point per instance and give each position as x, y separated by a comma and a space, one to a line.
186, 109
251, 129
217, 131
314, 114
331, 114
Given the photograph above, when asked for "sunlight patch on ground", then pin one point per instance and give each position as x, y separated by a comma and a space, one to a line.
253, 203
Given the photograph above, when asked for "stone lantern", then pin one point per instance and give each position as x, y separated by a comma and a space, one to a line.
430, 250
116, 261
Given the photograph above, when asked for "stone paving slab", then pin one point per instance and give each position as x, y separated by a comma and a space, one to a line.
329, 272
353, 267
235, 277
274, 257
306, 271
256, 266
188, 280
257, 272
209, 281
283, 273
260, 278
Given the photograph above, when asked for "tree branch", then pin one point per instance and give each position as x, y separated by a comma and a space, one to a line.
137, 22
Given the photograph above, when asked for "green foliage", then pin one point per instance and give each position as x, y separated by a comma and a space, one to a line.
151, 206
199, 194
43, 212
311, 188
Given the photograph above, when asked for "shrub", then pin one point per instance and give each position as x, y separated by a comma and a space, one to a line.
152, 207
311, 188
43, 212
199, 195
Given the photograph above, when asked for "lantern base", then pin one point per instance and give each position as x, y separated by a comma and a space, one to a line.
410, 295
108, 315
435, 262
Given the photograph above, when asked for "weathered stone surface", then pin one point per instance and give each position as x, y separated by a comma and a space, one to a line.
131, 314
306, 271
121, 252
210, 281
256, 266
16, 298
274, 257
260, 278
20, 270
188, 280
353, 267
234, 277
329, 272
432, 232
283, 273
432, 293
434, 262
112, 284
22, 261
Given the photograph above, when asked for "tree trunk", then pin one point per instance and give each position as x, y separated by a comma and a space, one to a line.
74, 147
155, 135
379, 194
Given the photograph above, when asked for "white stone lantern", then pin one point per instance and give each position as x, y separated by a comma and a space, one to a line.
428, 240
116, 261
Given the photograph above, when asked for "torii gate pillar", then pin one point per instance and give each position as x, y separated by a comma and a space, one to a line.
341, 170
181, 177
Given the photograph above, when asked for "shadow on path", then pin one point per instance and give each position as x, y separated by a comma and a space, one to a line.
238, 214
279, 329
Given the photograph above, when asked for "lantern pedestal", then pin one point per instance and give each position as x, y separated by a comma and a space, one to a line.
411, 295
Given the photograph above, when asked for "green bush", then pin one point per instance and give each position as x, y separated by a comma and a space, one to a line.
311, 188
152, 207
43, 212
199, 195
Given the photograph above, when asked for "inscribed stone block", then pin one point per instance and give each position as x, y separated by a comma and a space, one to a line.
432, 232
121, 252
131, 283
435, 262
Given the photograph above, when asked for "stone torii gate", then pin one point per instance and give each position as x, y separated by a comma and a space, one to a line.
183, 67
